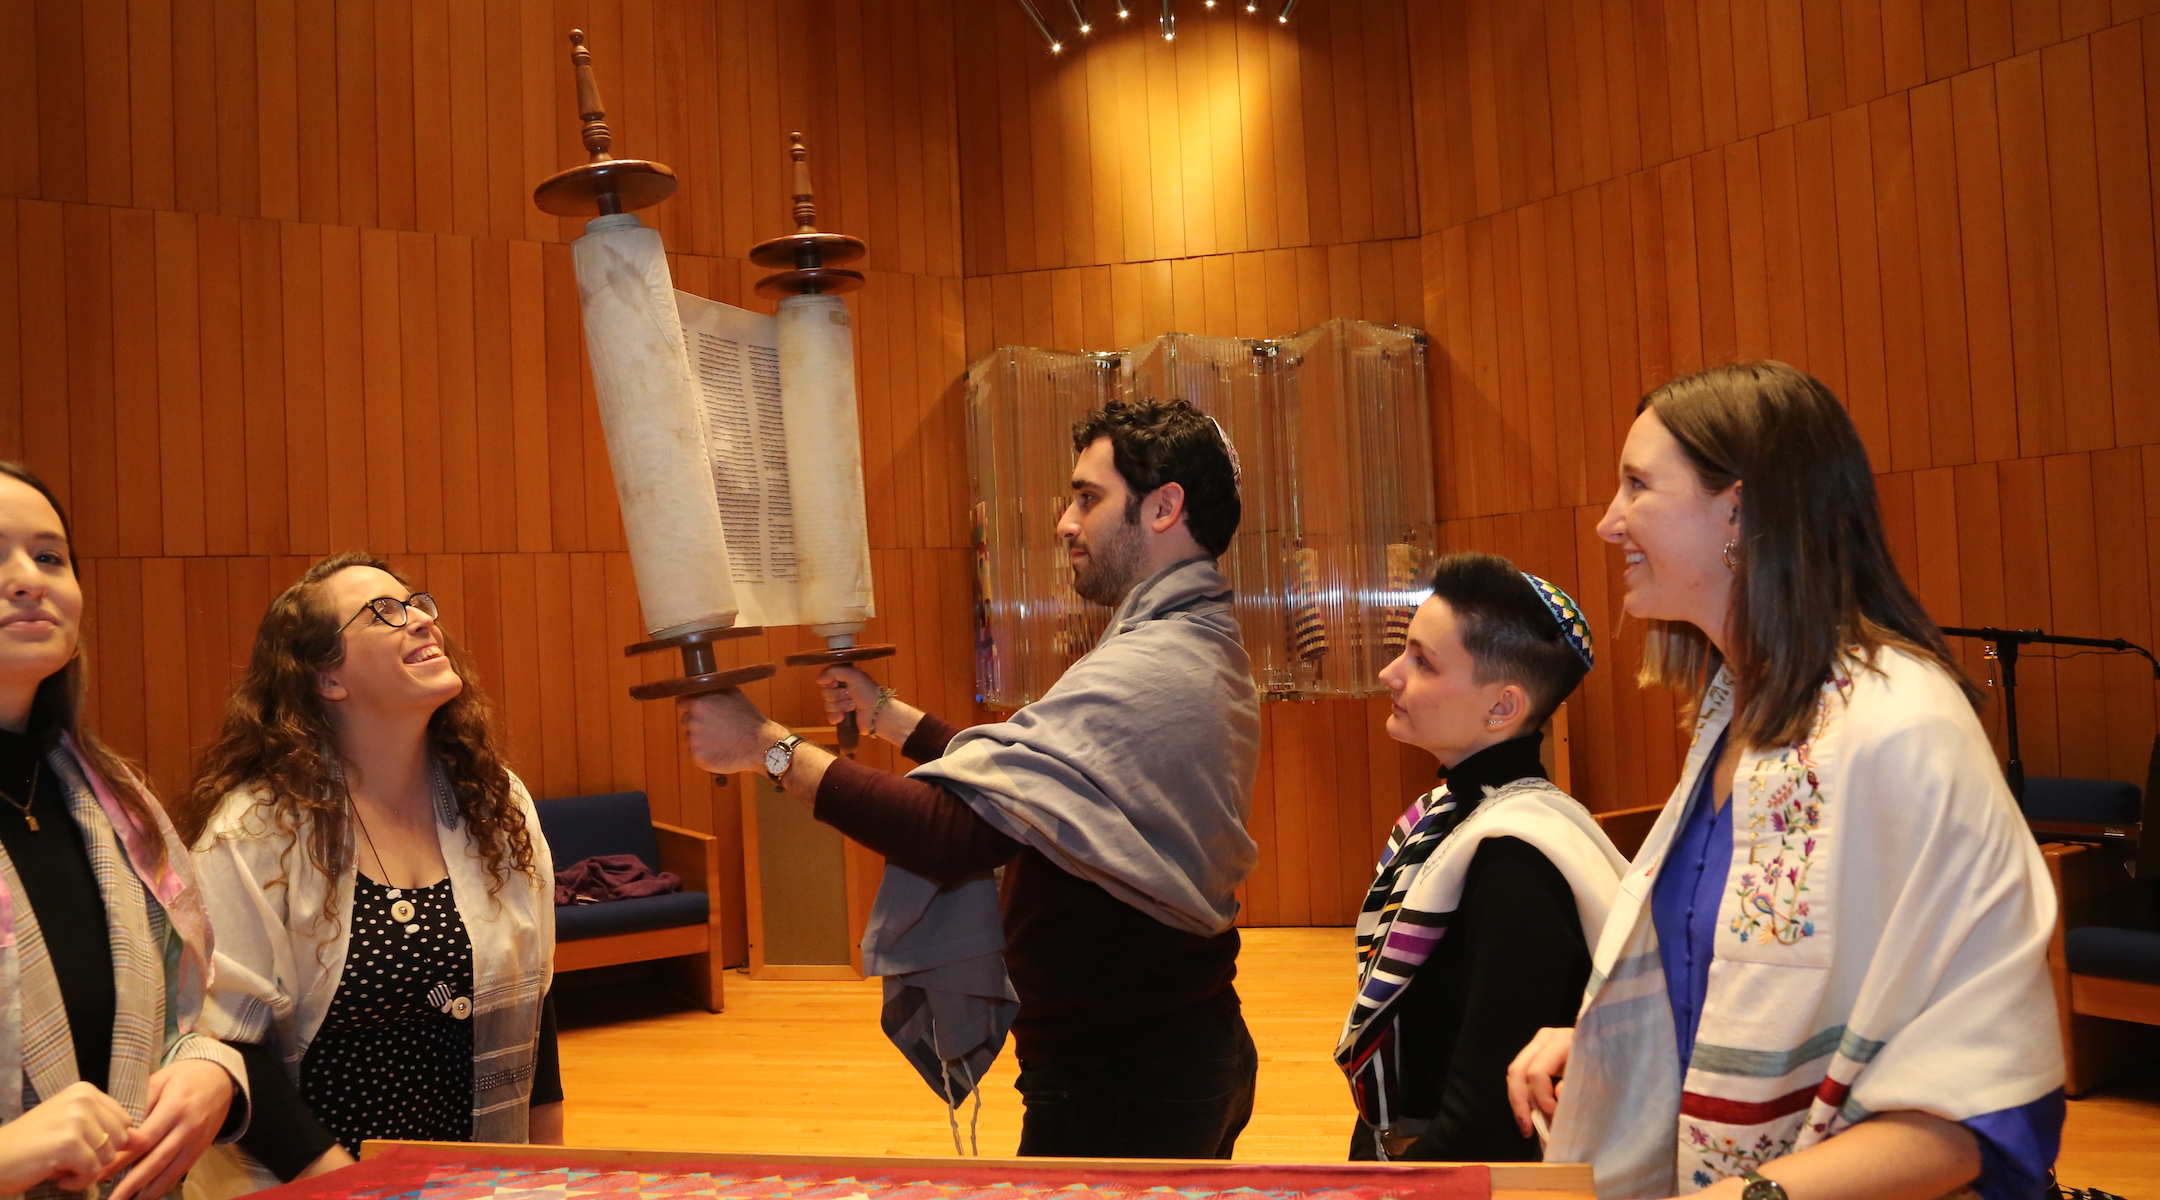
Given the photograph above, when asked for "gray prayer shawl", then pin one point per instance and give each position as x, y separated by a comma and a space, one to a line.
153, 1022
280, 958
1134, 772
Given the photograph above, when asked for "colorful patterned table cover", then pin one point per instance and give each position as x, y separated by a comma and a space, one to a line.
457, 1173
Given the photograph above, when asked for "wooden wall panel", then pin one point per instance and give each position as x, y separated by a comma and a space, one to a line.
1239, 135
1943, 210
438, 116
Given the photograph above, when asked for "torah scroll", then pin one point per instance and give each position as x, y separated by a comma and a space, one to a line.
663, 472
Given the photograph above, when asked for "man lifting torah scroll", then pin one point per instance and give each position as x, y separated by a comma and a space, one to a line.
1117, 803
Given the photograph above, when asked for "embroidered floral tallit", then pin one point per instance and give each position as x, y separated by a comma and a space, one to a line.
1881, 947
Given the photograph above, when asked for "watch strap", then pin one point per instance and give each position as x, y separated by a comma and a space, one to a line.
1761, 1188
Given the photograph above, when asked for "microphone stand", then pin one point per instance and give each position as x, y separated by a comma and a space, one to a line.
2006, 643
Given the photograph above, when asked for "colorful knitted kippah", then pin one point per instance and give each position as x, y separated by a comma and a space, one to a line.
1573, 625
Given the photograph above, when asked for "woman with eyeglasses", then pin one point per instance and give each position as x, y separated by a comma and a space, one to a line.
381, 891
103, 937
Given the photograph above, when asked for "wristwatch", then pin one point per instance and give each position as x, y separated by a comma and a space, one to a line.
1759, 1188
781, 755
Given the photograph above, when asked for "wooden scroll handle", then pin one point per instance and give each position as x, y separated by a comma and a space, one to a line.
849, 730
700, 672
605, 184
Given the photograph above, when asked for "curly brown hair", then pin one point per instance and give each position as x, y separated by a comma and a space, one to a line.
56, 707
278, 738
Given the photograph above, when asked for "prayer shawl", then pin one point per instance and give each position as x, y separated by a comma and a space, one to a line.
1134, 772
280, 957
161, 948
1882, 946
1414, 896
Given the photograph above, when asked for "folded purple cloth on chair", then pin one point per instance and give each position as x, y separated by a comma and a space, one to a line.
611, 877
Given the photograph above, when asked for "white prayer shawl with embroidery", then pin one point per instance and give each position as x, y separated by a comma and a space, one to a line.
281, 957
1881, 947
160, 937
1418, 886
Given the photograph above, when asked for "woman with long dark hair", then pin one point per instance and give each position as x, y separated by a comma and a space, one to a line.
1825, 976
381, 890
104, 943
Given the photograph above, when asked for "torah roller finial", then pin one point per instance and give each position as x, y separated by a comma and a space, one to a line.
813, 258
606, 184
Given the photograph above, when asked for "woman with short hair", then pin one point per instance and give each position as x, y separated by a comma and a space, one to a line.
383, 897
1477, 928
104, 945
1825, 975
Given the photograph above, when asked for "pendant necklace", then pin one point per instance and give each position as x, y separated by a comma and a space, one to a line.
23, 806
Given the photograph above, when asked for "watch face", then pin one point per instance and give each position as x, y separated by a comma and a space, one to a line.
776, 760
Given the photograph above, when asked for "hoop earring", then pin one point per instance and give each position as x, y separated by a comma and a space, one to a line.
1731, 563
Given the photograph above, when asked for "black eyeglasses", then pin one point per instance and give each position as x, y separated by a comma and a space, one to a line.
391, 611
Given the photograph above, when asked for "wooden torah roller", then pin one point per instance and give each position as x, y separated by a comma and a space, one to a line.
849, 731
700, 675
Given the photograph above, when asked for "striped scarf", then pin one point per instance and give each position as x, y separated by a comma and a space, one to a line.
1418, 889
159, 934
1393, 941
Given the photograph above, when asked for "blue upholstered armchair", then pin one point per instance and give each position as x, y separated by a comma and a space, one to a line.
681, 930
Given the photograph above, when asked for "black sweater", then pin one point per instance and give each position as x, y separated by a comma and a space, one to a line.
1096, 977
54, 867
1514, 961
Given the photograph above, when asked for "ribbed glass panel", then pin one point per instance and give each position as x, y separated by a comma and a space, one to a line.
1332, 434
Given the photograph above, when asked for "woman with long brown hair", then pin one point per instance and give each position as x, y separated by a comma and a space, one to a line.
381, 890
1825, 976
104, 943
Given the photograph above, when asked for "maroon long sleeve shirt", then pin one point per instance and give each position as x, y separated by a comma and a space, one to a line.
1095, 976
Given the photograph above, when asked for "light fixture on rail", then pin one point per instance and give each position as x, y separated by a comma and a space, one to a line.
1080, 17
1169, 21
1283, 17
1041, 26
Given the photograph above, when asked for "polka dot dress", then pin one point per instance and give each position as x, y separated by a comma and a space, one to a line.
394, 1056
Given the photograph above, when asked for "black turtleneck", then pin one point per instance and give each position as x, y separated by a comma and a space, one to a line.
1496, 765
1514, 961
62, 891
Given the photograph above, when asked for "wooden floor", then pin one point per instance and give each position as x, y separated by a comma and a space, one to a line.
803, 1068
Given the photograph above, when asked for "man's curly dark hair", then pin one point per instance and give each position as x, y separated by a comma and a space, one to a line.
1154, 442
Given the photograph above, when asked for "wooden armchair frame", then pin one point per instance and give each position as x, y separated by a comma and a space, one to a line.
693, 958
2110, 1027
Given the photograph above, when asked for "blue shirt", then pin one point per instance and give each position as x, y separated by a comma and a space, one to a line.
1684, 903
2017, 1145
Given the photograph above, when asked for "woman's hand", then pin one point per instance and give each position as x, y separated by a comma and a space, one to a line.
73, 1140
847, 689
335, 1158
188, 1103
1533, 1078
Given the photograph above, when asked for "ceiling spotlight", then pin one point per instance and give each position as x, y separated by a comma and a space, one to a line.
1080, 16
1122, 13
1169, 21
1288, 7
1041, 26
